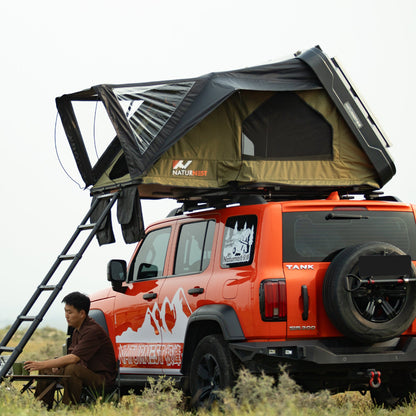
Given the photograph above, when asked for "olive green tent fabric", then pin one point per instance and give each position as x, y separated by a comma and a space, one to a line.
213, 154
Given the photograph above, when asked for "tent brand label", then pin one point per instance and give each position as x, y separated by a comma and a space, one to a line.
184, 168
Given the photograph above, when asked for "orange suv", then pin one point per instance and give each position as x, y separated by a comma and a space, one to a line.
323, 286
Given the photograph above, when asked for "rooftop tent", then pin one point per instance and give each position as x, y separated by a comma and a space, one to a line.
291, 124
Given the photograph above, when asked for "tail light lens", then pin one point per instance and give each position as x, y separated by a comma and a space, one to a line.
273, 303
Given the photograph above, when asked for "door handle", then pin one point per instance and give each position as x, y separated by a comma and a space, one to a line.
196, 291
305, 300
150, 296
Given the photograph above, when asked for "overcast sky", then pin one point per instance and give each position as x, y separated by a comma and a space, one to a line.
49, 48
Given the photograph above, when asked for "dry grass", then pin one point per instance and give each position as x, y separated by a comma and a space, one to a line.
45, 343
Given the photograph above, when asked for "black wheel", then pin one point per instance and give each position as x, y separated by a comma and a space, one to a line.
392, 395
367, 312
211, 370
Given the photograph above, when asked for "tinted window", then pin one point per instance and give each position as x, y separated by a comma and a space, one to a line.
150, 259
314, 236
238, 242
194, 247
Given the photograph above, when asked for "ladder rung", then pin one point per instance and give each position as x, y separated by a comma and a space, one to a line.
87, 226
104, 196
47, 287
67, 256
7, 349
27, 318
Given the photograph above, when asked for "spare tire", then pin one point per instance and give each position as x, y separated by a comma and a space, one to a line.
368, 312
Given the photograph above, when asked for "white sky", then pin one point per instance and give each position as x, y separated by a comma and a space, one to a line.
50, 48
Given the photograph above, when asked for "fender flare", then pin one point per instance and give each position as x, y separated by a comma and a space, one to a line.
224, 315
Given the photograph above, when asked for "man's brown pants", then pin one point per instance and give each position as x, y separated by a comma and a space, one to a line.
80, 377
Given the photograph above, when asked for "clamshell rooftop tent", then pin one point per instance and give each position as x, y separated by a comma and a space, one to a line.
295, 127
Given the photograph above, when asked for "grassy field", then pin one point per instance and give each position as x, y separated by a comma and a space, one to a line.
45, 343
251, 396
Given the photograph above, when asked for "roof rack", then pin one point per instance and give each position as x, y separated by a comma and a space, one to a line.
259, 195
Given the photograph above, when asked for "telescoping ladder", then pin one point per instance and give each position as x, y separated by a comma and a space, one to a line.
53, 289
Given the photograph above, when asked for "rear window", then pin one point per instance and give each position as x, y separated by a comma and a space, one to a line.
319, 236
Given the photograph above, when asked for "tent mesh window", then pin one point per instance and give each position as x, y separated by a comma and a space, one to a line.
148, 109
286, 128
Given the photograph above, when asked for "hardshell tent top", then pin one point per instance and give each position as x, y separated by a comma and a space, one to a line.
290, 127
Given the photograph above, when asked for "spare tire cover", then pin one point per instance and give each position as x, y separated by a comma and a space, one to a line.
367, 312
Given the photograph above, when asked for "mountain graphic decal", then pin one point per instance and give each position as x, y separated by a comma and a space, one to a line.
167, 324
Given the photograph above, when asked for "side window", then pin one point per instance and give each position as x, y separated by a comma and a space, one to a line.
194, 247
239, 240
150, 259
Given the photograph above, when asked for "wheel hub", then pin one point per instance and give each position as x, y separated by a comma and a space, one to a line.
379, 302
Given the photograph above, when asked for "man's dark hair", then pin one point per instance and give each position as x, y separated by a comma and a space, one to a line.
78, 300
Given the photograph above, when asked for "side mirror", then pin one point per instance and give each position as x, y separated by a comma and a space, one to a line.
117, 274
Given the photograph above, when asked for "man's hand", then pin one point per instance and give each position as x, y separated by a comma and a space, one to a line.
54, 363
34, 365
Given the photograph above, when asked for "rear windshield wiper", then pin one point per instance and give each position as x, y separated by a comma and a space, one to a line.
332, 216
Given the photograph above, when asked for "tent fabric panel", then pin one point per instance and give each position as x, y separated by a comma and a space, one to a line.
106, 158
289, 75
196, 173
217, 140
140, 158
122, 127
73, 134
116, 174
149, 108
309, 173
130, 216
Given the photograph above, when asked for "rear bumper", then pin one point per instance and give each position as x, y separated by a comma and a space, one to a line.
331, 351
335, 363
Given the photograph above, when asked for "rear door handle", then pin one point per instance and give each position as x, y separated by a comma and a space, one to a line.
150, 296
196, 291
305, 300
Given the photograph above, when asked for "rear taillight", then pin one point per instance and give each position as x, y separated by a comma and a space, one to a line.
273, 302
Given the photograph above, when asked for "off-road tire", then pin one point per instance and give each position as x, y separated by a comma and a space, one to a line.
211, 370
349, 309
390, 395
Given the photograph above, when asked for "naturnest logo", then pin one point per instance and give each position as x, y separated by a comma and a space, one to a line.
184, 168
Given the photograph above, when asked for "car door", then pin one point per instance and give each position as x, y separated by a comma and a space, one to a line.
184, 289
137, 322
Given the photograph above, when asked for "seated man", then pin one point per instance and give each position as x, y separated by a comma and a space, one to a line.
90, 360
